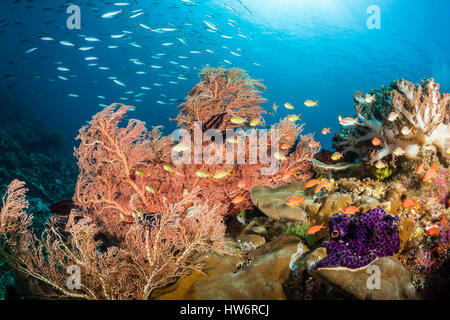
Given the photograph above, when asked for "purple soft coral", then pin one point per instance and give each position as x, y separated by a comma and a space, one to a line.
356, 242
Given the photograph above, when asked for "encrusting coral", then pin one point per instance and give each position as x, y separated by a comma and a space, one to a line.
406, 118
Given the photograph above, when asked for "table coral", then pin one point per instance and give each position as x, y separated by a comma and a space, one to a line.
358, 241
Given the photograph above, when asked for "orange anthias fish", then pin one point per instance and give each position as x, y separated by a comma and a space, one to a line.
376, 141
285, 146
179, 172
311, 183
287, 175
326, 130
433, 232
351, 210
289, 136
441, 223
318, 187
315, 229
420, 168
313, 144
242, 184
238, 199
409, 203
295, 201
430, 174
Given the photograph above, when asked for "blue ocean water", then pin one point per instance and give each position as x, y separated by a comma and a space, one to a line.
320, 50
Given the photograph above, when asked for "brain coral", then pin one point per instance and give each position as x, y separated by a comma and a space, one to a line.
357, 241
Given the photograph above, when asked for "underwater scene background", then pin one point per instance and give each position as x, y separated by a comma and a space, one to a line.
356, 90
301, 50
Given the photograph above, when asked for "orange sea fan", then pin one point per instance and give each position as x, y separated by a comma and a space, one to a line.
124, 171
148, 257
223, 92
108, 159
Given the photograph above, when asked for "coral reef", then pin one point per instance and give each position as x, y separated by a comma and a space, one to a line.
153, 218
406, 118
124, 171
317, 208
150, 257
119, 165
358, 241
421, 254
134, 208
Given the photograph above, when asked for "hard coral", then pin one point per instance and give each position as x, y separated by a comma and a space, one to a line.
421, 109
358, 241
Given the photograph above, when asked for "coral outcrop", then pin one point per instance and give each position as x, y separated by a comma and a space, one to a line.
272, 202
262, 279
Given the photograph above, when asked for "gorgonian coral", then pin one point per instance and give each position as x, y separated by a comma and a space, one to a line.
406, 118
149, 257
358, 241
128, 170
108, 157
220, 95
